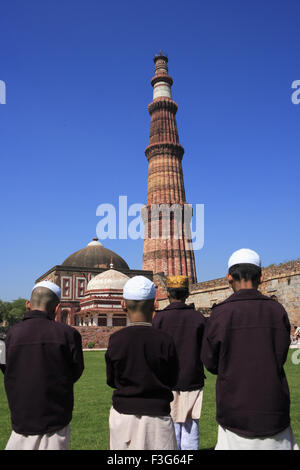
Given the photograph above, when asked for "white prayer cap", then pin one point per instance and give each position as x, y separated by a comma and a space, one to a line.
139, 288
49, 285
244, 255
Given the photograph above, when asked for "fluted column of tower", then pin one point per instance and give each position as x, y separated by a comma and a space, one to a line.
167, 244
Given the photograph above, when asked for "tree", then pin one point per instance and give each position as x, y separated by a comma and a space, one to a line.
14, 311
3, 311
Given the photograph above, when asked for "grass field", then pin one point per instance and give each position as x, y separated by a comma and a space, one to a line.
89, 427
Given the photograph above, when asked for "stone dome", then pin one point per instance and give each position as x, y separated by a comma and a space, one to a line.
95, 255
110, 279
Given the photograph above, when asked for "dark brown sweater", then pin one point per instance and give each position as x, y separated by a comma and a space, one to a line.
246, 343
141, 365
186, 327
43, 360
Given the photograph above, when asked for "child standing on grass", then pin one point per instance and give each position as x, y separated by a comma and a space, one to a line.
186, 326
141, 365
246, 343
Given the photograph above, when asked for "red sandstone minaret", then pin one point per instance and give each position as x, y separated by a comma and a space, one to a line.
166, 251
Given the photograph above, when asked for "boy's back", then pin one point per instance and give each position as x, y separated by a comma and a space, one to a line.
246, 344
186, 327
142, 366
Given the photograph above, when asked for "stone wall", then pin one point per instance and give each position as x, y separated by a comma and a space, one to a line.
281, 280
96, 334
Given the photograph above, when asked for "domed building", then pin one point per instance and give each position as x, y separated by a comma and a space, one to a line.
95, 255
93, 265
101, 305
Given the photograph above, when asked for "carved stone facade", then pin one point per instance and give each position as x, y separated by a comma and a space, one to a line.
101, 304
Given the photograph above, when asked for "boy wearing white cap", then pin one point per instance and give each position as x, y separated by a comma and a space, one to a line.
43, 360
246, 344
142, 367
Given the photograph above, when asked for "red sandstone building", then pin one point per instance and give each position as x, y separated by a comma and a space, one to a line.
91, 287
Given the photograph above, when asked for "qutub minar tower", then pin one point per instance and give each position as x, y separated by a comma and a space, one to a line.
171, 255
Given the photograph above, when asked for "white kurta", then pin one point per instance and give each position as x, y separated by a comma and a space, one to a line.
134, 432
186, 405
2, 352
284, 440
58, 440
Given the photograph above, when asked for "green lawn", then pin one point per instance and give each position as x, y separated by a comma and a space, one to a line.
89, 427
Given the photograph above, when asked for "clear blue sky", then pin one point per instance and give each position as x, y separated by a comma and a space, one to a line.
75, 125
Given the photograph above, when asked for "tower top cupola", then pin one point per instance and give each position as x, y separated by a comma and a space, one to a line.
161, 81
